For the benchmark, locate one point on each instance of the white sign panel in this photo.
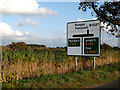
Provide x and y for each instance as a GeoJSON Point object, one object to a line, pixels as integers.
{"type": "Point", "coordinates": [83, 38]}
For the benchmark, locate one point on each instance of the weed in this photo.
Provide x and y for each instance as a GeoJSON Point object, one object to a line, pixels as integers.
{"type": "Point", "coordinates": [42, 74]}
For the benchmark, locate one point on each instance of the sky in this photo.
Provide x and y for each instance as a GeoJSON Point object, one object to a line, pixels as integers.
{"type": "Point", "coordinates": [36, 22]}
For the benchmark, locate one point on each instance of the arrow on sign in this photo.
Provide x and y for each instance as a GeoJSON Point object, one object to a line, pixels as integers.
{"type": "Point", "coordinates": [84, 35]}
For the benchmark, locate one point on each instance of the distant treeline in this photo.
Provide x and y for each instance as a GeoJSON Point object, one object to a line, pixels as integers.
{"type": "Point", "coordinates": [18, 46]}
{"type": "Point", "coordinates": [34, 47]}
{"type": "Point", "coordinates": [108, 47]}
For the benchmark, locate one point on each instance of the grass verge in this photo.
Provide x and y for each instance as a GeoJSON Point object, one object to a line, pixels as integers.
{"type": "Point", "coordinates": [79, 79]}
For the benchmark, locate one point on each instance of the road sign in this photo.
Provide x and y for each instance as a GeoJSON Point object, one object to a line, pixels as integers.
{"type": "Point", "coordinates": [74, 42]}
{"type": "Point", "coordinates": [119, 37]}
{"type": "Point", "coordinates": [91, 45]}
{"type": "Point", "coordinates": [83, 38]}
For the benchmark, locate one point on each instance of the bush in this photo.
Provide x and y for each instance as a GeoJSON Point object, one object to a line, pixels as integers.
{"type": "Point", "coordinates": [116, 48]}
{"type": "Point", "coordinates": [106, 47]}
{"type": "Point", "coordinates": [18, 46]}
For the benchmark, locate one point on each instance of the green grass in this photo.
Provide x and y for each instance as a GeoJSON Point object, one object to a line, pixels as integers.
{"type": "Point", "coordinates": [79, 79]}
{"type": "Point", "coordinates": [54, 56]}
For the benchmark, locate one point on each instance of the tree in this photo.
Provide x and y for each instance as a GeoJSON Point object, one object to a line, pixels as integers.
{"type": "Point", "coordinates": [106, 12]}
{"type": "Point", "coordinates": [18, 46]}
{"type": "Point", "coordinates": [106, 47]}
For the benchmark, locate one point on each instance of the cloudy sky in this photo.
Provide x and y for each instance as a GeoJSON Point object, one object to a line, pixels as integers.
{"type": "Point", "coordinates": [37, 22]}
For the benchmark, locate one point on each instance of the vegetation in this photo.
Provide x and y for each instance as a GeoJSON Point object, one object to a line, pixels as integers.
{"type": "Point", "coordinates": [36, 62]}
{"type": "Point", "coordinates": [22, 46]}
{"type": "Point", "coordinates": [18, 46]}
{"type": "Point", "coordinates": [107, 12]}
{"type": "Point", "coordinates": [36, 45]}
{"type": "Point", "coordinates": [54, 56]}
{"type": "Point", "coordinates": [79, 79]}
{"type": "Point", "coordinates": [106, 47]}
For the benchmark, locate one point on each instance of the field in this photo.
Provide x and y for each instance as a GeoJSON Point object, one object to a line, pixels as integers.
{"type": "Point", "coordinates": [20, 62]}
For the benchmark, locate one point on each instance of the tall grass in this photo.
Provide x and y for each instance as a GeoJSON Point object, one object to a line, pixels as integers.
{"type": "Point", "coordinates": [79, 79]}
{"type": "Point", "coordinates": [27, 64]}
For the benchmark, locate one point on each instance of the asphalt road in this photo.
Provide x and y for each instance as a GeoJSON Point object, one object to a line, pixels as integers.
{"type": "Point", "coordinates": [112, 84]}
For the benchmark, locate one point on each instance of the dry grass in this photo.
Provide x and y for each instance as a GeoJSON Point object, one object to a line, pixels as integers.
{"type": "Point", "coordinates": [21, 69]}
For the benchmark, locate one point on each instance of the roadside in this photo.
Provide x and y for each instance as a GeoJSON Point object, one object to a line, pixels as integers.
{"type": "Point", "coordinates": [109, 84]}
{"type": "Point", "coordinates": [81, 79]}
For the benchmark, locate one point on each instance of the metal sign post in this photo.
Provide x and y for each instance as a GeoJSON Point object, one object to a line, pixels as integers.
{"type": "Point", "coordinates": [75, 63]}
{"type": "Point", "coordinates": [93, 63]}
{"type": "Point", "coordinates": [83, 39]}
{"type": "Point", "coordinates": [119, 36]}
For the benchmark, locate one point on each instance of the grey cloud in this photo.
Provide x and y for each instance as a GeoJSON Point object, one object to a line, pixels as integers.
{"type": "Point", "coordinates": [19, 24]}
{"type": "Point", "coordinates": [28, 22]}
